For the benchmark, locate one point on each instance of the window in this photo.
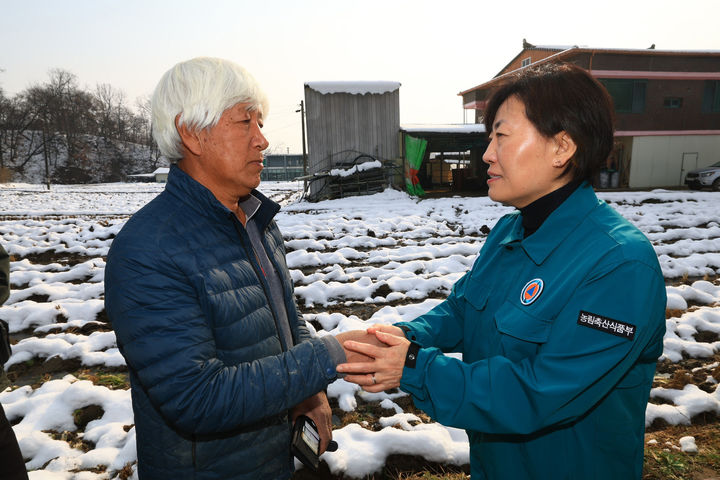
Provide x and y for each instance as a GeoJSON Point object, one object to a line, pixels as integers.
{"type": "Point", "coordinates": [628, 95]}
{"type": "Point", "coordinates": [672, 102]}
{"type": "Point", "coordinates": [526, 62]}
{"type": "Point", "coordinates": [711, 97]}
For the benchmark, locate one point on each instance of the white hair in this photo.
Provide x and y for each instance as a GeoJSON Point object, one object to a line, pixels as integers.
{"type": "Point", "coordinates": [199, 90]}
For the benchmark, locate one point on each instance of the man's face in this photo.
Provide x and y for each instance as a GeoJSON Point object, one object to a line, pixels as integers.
{"type": "Point", "coordinates": [232, 150]}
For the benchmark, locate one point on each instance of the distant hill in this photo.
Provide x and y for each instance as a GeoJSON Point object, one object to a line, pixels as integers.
{"type": "Point", "coordinates": [95, 159]}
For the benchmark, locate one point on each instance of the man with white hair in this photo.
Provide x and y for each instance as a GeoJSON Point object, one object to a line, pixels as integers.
{"type": "Point", "coordinates": [201, 300]}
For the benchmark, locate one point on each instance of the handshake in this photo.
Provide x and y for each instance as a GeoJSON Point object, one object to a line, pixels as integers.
{"type": "Point", "coordinates": [375, 358]}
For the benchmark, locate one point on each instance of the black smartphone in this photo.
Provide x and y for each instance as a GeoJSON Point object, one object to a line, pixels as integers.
{"type": "Point", "coordinates": [306, 442]}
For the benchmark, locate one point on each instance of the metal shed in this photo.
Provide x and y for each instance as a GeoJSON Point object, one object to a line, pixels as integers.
{"type": "Point", "coordinates": [350, 123]}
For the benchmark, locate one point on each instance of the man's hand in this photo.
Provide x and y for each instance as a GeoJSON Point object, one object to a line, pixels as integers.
{"type": "Point", "coordinates": [391, 329]}
{"type": "Point", "coordinates": [360, 336]}
{"type": "Point", "coordinates": [318, 409]}
{"type": "Point", "coordinates": [385, 368]}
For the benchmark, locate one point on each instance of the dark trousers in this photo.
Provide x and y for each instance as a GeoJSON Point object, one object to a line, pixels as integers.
{"type": "Point", "coordinates": [12, 465]}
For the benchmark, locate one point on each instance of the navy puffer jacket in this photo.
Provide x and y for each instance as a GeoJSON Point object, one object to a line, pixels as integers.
{"type": "Point", "coordinates": [211, 384]}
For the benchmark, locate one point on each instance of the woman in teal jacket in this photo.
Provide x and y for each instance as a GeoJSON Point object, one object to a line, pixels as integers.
{"type": "Point", "coordinates": [561, 318]}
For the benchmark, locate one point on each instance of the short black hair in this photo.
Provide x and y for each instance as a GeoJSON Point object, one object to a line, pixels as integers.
{"type": "Point", "coordinates": [563, 97]}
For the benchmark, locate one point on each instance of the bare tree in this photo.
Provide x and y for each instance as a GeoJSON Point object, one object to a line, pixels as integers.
{"type": "Point", "coordinates": [4, 107]}
{"type": "Point", "coordinates": [108, 100]}
{"type": "Point", "coordinates": [144, 109]}
{"type": "Point", "coordinates": [69, 109]}
{"type": "Point", "coordinates": [58, 115]}
{"type": "Point", "coordinates": [39, 101]}
{"type": "Point", "coordinates": [65, 109]}
{"type": "Point", "coordinates": [20, 137]}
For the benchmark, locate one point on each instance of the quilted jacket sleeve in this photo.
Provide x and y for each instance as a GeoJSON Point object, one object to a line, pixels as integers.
{"type": "Point", "coordinates": [167, 341]}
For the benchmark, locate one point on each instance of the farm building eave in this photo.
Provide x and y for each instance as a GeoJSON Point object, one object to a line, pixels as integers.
{"type": "Point", "coordinates": [354, 87]}
{"type": "Point", "coordinates": [574, 50]}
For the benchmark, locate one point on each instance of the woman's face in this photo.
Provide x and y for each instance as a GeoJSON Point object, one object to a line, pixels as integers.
{"type": "Point", "coordinates": [523, 165]}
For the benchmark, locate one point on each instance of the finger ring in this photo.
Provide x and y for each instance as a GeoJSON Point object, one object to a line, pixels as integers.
{"type": "Point", "coordinates": [374, 380]}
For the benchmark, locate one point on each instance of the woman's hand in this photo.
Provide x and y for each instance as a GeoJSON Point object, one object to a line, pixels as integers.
{"type": "Point", "coordinates": [387, 363]}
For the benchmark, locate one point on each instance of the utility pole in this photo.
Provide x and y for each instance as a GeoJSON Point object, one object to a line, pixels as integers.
{"type": "Point", "coordinates": [302, 123]}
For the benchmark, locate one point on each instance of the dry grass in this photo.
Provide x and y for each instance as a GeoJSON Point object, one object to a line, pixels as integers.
{"type": "Point", "coordinates": [665, 461]}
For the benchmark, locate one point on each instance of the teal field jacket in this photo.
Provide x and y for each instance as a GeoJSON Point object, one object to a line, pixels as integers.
{"type": "Point", "coordinates": [560, 333]}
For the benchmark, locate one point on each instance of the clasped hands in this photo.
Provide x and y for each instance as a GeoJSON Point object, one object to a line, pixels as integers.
{"type": "Point", "coordinates": [375, 358]}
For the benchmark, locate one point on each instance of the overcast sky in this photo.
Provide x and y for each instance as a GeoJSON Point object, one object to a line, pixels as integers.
{"type": "Point", "coordinates": [434, 48]}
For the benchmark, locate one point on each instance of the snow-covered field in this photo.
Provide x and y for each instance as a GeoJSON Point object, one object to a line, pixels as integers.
{"type": "Point", "coordinates": [355, 262]}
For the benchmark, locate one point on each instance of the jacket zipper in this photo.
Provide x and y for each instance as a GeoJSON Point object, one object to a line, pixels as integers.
{"type": "Point", "coordinates": [286, 295]}
{"type": "Point", "coordinates": [267, 296]}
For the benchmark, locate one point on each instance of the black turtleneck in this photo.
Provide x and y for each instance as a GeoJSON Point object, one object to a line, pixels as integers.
{"type": "Point", "coordinates": [534, 215]}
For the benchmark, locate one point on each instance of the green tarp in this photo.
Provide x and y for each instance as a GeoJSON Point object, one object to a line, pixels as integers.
{"type": "Point", "coordinates": [414, 153]}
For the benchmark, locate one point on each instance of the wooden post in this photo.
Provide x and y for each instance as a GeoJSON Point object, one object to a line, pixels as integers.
{"type": "Point", "coordinates": [304, 152]}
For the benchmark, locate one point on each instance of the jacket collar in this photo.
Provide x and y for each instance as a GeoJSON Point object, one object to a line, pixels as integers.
{"type": "Point", "coordinates": [201, 201]}
{"type": "Point", "coordinates": [556, 227]}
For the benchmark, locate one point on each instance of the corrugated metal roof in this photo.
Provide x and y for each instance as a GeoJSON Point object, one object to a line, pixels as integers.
{"type": "Point", "coordinates": [354, 88]}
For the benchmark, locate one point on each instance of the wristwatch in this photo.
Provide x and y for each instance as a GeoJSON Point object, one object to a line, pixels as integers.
{"type": "Point", "coordinates": [413, 349]}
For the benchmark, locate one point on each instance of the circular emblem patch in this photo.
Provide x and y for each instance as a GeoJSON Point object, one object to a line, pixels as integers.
{"type": "Point", "coordinates": [531, 291]}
